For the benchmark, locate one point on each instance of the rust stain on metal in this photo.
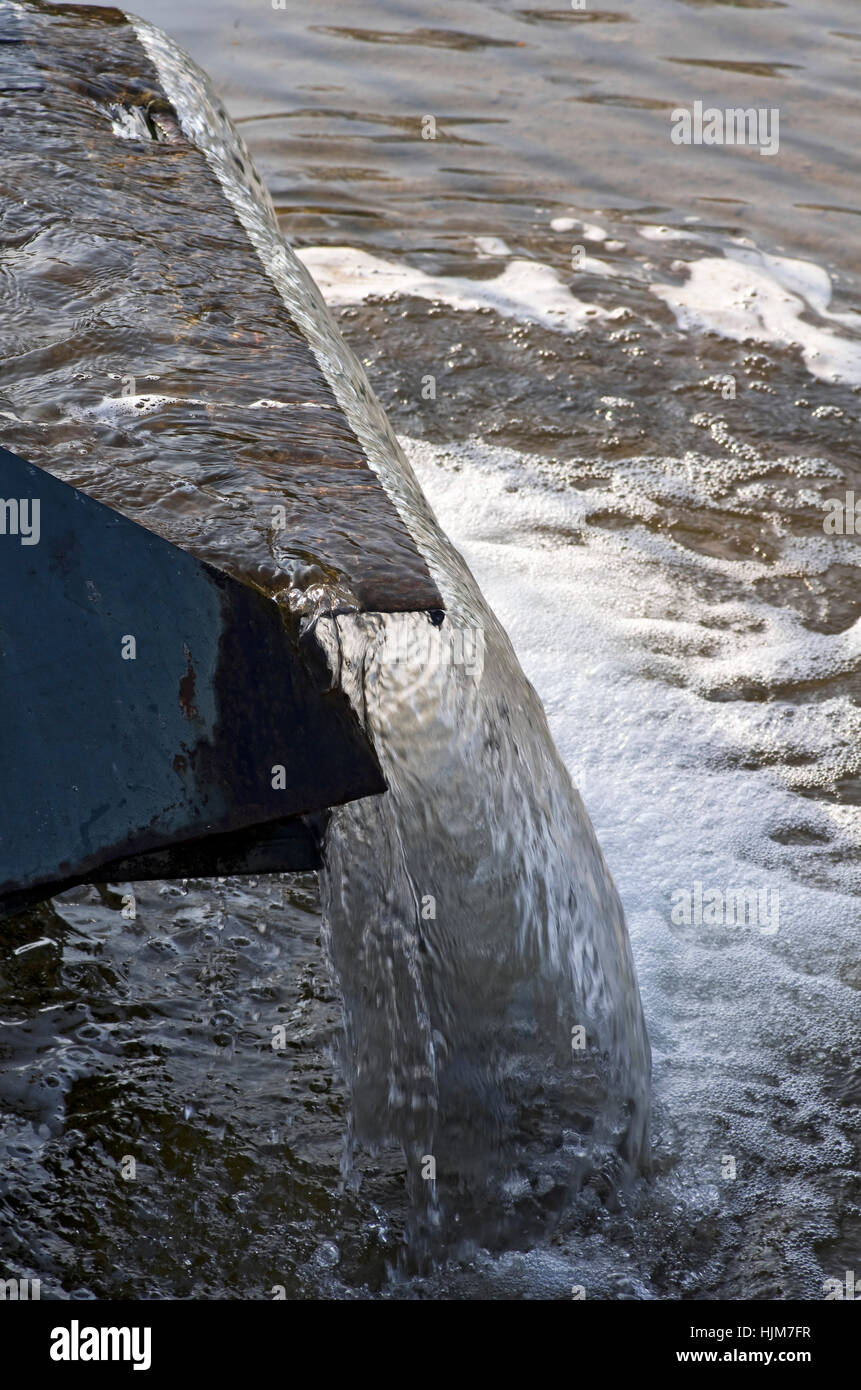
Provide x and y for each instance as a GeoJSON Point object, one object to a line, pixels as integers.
{"type": "Point", "coordinates": [186, 689]}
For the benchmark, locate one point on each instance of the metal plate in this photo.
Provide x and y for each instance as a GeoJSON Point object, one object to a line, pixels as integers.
{"type": "Point", "coordinates": [147, 698]}
{"type": "Point", "coordinates": [147, 357]}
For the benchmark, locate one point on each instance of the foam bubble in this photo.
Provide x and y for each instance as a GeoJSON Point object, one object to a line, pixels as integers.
{"type": "Point", "coordinates": [749, 294]}
{"type": "Point", "coordinates": [525, 290]}
{"type": "Point", "coordinates": [622, 632]}
{"type": "Point", "coordinates": [667, 234]}
{"type": "Point", "coordinates": [590, 230]}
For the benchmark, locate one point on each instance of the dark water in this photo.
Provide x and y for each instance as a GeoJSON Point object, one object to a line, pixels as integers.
{"type": "Point", "coordinates": [541, 108]}
{"type": "Point", "coordinates": [651, 537]}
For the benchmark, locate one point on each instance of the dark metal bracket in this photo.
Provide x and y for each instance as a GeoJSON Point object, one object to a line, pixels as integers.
{"type": "Point", "coordinates": [157, 717]}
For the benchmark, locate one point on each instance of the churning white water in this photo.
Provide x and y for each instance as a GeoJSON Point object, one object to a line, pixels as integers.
{"type": "Point", "coordinates": [634, 643]}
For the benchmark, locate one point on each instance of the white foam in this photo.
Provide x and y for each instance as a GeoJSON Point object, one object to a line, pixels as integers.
{"type": "Point", "coordinates": [621, 648]}
{"type": "Point", "coordinates": [590, 230]}
{"type": "Point", "coordinates": [667, 234]}
{"type": "Point", "coordinates": [130, 403]}
{"type": "Point", "coordinates": [745, 294]}
{"type": "Point", "coordinates": [748, 294]}
{"type": "Point", "coordinates": [128, 122]}
{"type": "Point", "coordinates": [144, 403]}
{"type": "Point", "coordinates": [491, 247]}
{"type": "Point", "coordinates": [609, 628]}
{"type": "Point", "coordinates": [525, 290]}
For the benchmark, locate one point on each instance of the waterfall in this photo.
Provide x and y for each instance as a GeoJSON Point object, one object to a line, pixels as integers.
{"type": "Point", "coordinates": [493, 1027]}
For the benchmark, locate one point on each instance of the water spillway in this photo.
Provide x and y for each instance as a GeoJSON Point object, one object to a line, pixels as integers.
{"type": "Point", "coordinates": [133, 768]}
{"type": "Point", "coordinates": [169, 357]}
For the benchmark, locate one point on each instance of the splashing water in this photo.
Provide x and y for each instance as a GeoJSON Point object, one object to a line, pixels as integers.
{"type": "Point", "coordinates": [493, 1021]}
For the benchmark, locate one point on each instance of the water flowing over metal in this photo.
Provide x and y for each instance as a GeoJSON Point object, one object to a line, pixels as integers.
{"type": "Point", "coordinates": [493, 1027]}
{"type": "Point", "coordinates": [493, 1016]}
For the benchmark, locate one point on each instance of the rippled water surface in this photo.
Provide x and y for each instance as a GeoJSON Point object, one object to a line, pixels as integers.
{"type": "Point", "coordinates": [633, 451]}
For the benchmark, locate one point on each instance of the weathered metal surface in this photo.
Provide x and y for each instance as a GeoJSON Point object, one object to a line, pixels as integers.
{"type": "Point", "coordinates": [285, 846]}
{"type": "Point", "coordinates": [148, 699]}
{"type": "Point", "coordinates": [149, 361]}
{"type": "Point", "coordinates": [147, 357]}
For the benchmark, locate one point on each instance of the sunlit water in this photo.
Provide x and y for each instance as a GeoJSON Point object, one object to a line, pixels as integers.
{"type": "Point", "coordinates": [634, 460]}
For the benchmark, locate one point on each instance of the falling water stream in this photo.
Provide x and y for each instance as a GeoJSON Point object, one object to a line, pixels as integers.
{"type": "Point", "coordinates": [493, 1022]}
